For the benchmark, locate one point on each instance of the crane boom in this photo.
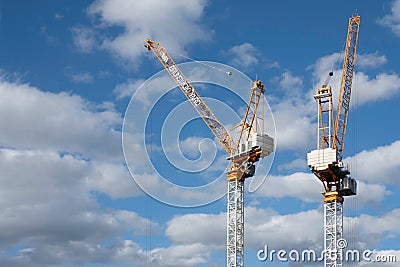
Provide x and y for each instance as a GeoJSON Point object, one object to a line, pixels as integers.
{"type": "Point", "coordinates": [194, 98]}
{"type": "Point", "coordinates": [345, 86]}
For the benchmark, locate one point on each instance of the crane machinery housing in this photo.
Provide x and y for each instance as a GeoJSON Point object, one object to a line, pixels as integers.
{"type": "Point", "coordinates": [252, 145]}
{"type": "Point", "coordinates": [326, 161]}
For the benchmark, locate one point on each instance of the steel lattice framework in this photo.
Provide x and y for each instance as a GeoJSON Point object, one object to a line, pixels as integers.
{"type": "Point", "coordinates": [326, 161]}
{"type": "Point", "coordinates": [235, 224]}
{"type": "Point", "coordinates": [333, 221]}
{"type": "Point", "coordinates": [345, 85]}
{"type": "Point", "coordinates": [250, 147]}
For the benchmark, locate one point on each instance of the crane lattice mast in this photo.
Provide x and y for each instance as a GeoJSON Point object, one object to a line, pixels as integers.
{"type": "Point", "coordinates": [251, 146]}
{"type": "Point", "coordinates": [326, 161]}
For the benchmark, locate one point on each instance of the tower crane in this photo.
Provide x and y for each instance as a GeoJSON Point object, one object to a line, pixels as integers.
{"type": "Point", "coordinates": [251, 146]}
{"type": "Point", "coordinates": [326, 161]}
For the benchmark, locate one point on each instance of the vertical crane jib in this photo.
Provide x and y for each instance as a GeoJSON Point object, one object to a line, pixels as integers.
{"type": "Point", "coordinates": [194, 98]}
{"type": "Point", "coordinates": [345, 86]}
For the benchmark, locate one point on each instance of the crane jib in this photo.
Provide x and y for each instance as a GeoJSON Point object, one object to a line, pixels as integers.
{"type": "Point", "coordinates": [179, 78]}
{"type": "Point", "coordinates": [188, 90]}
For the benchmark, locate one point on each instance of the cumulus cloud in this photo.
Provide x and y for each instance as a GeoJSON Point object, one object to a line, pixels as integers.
{"type": "Point", "coordinates": [281, 231]}
{"type": "Point", "coordinates": [371, 230]}
{"type": "Point", "coordinates": [262, 226]}
{"type": "Point", "coordinates": [392, 20]}
{"type": "Point", "coordinates": [295, 126]}
{"type": "Point", "coordinates": [84, 39]}
{"type": "Point", "coordinates": [304, 186]}
{"type": "Point", "coordinates": [82, 77]}
{"type": "Point", "coordinates": [371, 60]}
{"type": "Point", "coordinates": [59, 121]}
{"type": "Point", "coordinates": [290, 82]}
{"type": "Point", "coordinates": [379, 165]}
{"type": "Point", "coordinates": [381, 87]}
{"type": "Point", "coordinates": [294, 111]}
{"type": "Point", "coordinates": [47, 207]}
{"type": "Point", "coordinates": [307, 187]}
{"type": "Point", "coordinates": [176, 24]}
{"type": "Point", "coordinates": [112, 179]}
{"type": "Point", "coordinates": [297, 164]}
{"type": "Point", "coordinates": [366, 89]}
{"type": "Point", "coordinates": [181, 229]}
{"type": "Point", "coordinates": [127, 88]}
{"type": "Point", "coordinates": [246, 56]}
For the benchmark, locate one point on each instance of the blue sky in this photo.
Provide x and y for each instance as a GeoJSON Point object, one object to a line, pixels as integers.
{"type": "Point", "coordinates": [68, 71]}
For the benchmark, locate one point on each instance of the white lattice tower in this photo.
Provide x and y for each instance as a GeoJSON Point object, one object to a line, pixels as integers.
{"type": "Point", "coordinates": [333, 229]}
{"type": "Point", "coordinates": [235, 224]}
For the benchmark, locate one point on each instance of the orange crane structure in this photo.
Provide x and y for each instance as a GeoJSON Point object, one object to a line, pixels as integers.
{"type": "Point", "coordinates": [251, 145]}
{"type": "Point", "coordinates": [326, 161]}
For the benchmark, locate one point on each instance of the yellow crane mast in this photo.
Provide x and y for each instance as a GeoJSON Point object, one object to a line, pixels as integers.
{"type": "Point", "coordinates": [326, 161]}
{"type": "Point", "coordinates": [252, 145]}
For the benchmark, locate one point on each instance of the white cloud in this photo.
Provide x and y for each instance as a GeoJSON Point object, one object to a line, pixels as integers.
{"type": "Point", "coordinates": [392, 20]}
{"type": "Point", "coordinates": [290, 82]}
{"type": "Point", "coordinates": [304, 186]}
{"type": "Point", "coordinates": [113, 180]}
{"type": "Point", "coordinates": [295, 128]}
{"type": "Point", "coordinates": [281, 231]}
{"type": "Point", "coordinates": [261, 227]}
{"type": "Point", "coordinates": [47, 205]}
{"type": "Point", "coordinates": [307, 187]}
{"type": "Point", "coordinates": [294, 114]}
{"type": "Point", "coordinates": [324, 65]}
{"type": "Point", "coordinates": [371, 60]}
{"type": "Point", "coordinates": [181, 255]}
{"type": "Point", "coordinates": [379, 165]}
{"type": "Point", "coordinates": [58, 16]}
{"type": "Point", "coordinates": [244, 56]}
{"type": "Point", "coordinates": [297, 164]}
{"type": "Point", "coordinates": [84, 39]}
{"type": "Point", "coordinates": [127, 88]}
{"type": "Point", "coordinates": [58, 121]}
{"type": "Point", "coordinates": [366, 89]}
{"type": "Point", "coordinates": [382, 87]}
{"type": "Point", "coordinates": [176, 24]}
{"type": "Point", "coordinates": [50, 217]}
{"type": "Point", "coordinates": [181, 229]}
{"type": "Point", "coordinates": [371, 230]}
{"type": "Point", "coordinates": [82, 77]}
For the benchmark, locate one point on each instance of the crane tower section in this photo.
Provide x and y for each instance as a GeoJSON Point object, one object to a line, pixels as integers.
{"type": "Point", "coordinates": [252, 145]}
{"type": "Point", "coordinates": [326, 161]}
